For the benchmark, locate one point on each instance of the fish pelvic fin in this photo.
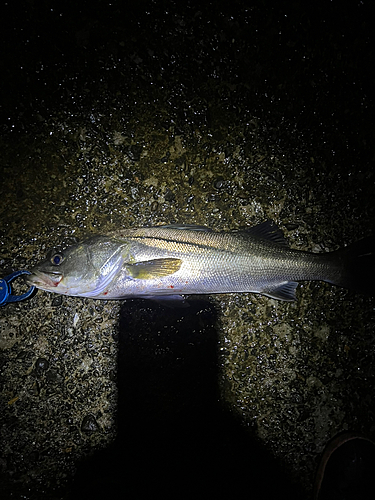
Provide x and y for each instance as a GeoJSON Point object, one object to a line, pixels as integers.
{"type": "Point", "coordinates": [356, 264]}
{"type": "Point", "coordinates": [157, 268]}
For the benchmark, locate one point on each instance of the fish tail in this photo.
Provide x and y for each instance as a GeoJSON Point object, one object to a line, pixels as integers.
{"type": "Point", "coordinates": [356, 266]}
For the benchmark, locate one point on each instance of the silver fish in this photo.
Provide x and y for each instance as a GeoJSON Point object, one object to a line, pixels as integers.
{"type": "Point", "coordinates": [179, 260]}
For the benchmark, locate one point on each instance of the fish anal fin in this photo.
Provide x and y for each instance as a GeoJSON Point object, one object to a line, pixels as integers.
{"type": "Point", "coordinates": [157, 268]}
{"type": "Point", "coordinates": [282, 291]}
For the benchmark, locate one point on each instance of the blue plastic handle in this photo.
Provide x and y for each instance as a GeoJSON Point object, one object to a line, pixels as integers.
{"type": "Point", "coordinates": [6, 290]}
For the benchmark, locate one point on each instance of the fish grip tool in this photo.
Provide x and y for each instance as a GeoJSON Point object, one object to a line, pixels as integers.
{"type": "Point", "coordinates": [6, 295]}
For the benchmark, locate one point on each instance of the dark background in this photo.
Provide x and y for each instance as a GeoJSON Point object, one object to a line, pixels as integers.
{"type": "Point", "coordinates": [304, 70]}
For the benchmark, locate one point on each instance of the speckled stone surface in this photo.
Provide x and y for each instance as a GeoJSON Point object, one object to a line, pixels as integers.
{"type": "Point", "coordinates": [221, 115]}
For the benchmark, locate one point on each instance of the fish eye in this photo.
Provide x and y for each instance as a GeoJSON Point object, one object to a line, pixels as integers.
{"type": "Point", "coordinates": [57, 259]}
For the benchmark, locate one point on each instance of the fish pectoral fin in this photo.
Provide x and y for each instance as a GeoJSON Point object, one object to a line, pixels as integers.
{"type": "Point", "coordinates": [282, 291]}
{"type": "Point", "coordinates": [157, 268]}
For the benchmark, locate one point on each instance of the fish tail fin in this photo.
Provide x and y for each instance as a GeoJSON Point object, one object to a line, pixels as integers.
{"type": "Point", "coordinates": [357, 266]}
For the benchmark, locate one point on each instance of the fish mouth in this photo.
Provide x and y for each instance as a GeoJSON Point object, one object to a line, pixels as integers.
{"type": "Point", "coordinates": [43, 280]}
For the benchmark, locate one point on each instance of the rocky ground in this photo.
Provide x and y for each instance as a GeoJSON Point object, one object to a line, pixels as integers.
{"type": "Point", "coordinates": [218, 114]}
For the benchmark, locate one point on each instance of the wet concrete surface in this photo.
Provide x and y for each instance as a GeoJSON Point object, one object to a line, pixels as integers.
{"type": "Point", "coordinates": [221, 115]}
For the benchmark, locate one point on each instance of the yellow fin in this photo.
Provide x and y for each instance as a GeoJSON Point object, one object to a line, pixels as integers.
{"type": "Point", "coordinates": [157, 268]}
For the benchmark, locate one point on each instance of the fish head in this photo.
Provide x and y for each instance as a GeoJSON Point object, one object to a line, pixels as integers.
{"type": "Point", "coordinates": [84, 270]}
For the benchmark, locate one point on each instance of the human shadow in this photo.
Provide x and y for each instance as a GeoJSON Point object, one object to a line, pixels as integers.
{"type": "Point", "coordinates": [174, 437]}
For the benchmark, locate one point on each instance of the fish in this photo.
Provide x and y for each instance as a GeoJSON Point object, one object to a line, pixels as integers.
{"type": "Point", "coordinates": [181, 260]}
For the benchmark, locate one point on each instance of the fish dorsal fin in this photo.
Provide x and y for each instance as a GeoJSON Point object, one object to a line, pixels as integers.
{"type": "Point", "coordinates": [192, 227]}
{"type": "Point", "coordinates": [157, 268]}
{"type": "Point", "coordinates": [268, 231]}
